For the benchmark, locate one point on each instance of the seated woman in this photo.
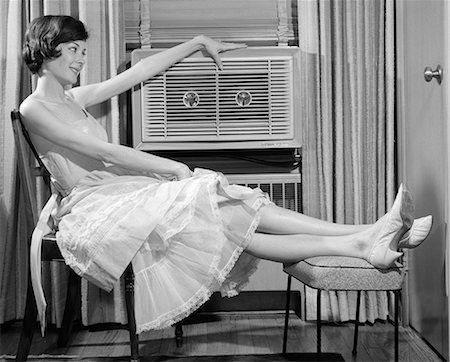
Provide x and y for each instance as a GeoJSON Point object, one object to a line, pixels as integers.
{"type": "Point", "coordinates": [187, 233]}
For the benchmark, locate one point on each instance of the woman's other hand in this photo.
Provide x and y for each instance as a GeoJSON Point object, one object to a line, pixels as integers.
{"type": "Point", "coordinates": [213, 48]}
{"type": "Point", "coordinates": [183, 172]}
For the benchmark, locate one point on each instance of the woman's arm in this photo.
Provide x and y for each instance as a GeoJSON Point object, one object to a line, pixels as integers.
{"type": "Point", "coordinates": [41, 122]}
{"type": "Point", "coordinates": [148, 68]}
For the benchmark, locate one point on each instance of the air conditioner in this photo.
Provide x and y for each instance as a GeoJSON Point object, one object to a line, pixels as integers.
{"type": "Point", "coordinates": [252, 103]}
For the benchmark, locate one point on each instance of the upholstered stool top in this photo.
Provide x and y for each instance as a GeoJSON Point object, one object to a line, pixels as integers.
{"type": "Point", "coordinates": [345, 273]}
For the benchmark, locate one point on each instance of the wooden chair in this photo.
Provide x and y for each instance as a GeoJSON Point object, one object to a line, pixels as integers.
{"type": "Point", "coordinates": [50, 251]}
{"type": "Point", "coordinates": [347, 274]}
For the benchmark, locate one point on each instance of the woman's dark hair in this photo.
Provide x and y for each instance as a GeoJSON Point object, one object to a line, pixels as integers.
{"type": "Point", "coordinates": [45, 33]}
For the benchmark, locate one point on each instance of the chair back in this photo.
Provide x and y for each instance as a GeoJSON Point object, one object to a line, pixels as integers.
{"type": "Point", "coordinates": [26, 165]}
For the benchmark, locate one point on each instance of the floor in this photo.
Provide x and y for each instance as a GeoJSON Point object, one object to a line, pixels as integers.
{"type": "Point", "coordinates": [227, 334]}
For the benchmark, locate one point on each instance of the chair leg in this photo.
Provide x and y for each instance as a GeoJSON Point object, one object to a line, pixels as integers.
{"type": "Point", "coordinates": [286, 313]}
{"type": "Point", "coordinates": [29, 325]}
{"type": "Point", "coordinates": [355, 336]}
{"type": "Point", "coordinates": [319, 323]}
{"type": "Point", "coordinates": [179, 334]}
{"type": "Point", "coordinates": [396, 298]}
{"type": "Point", "coordinates": [73, 295]}
{"type": "Point", "coordinates": [129, 301]}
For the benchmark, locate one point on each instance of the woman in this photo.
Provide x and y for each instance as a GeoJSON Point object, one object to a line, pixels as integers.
{"type": "Point", "coordinates": [187, 233]}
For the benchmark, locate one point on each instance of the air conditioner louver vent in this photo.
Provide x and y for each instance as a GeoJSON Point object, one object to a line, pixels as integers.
{"type": "Point", "coordinates": [250, 99]}
{"type": "Point", "coordinates": [283, 189]}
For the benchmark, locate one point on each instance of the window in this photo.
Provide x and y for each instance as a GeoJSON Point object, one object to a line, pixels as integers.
{"type": "Point", "coordinates": [163, 23]}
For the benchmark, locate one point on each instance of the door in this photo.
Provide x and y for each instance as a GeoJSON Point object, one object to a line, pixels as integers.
{"type": "Point", "coordinates": [423, 158]}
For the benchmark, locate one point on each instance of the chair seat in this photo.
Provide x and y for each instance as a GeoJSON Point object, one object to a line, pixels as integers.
{"type": "Point", "coordinates": [345, 273]}
{"type": "Point", "coordinates": [50, 237]}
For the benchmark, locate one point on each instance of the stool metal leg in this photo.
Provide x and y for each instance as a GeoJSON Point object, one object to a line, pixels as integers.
{"type": "Point", "coordinates": [396, 295]}
{"type": "Point", "coordinates": [319, 325]}
{"type": "Point", "coordinates": [286, 313]}
{"type": "Point", "coordinates": [355, 337]}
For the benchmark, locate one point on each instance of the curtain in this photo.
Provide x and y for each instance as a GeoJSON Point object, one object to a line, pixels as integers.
{"type": "Point", "coordinates": [14, 227]}
{"type": "Point", "coordinates": [347, 49]}
{"type": "Point", "coordinates": [106, 54]}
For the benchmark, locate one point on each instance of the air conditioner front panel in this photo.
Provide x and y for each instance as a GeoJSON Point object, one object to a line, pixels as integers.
{"type": "Point", "coordinates": [250, 99]}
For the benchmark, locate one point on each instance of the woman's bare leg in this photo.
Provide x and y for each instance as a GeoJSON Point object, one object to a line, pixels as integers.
{"type": "Point", "coordinates": [294, 248]}
{"type": "Point", "coordinates": [377, 243]}
{"type": "Point", "coordinates": [277, 220]}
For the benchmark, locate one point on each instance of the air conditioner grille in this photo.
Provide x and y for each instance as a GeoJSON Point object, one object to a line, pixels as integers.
{"type": "Point", "coordinates": [216, 112]}
{"type": "Point", "coordinates": [283, 189]}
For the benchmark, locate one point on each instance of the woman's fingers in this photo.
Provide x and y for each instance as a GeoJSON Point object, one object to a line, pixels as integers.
{"type": "Point", "coordinates": [215, 56]}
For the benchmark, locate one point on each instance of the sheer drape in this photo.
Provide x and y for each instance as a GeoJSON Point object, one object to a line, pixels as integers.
{"type": "Point", "coordinates": [348, 93]}
{"type": "Point", "coordinates": [106, 53]}
{"type": "Point", "coordinates": [14, 228]}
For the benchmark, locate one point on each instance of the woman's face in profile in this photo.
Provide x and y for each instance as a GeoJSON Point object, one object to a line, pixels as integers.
{"type": "Point", "coordinates": [67, 67]}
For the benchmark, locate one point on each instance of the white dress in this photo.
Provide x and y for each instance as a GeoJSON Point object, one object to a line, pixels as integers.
{"type": "Point", "coordinates": [185, 239]}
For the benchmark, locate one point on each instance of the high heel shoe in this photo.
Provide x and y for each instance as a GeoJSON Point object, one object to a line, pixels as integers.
{"type": "Point", "coordinates": [396, 223]}
{"type": "Point", "coordinates": [419, 231]}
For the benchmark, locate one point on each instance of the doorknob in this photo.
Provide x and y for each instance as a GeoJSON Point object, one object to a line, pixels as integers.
{"type": "Point", "coordinates": [429, 74]}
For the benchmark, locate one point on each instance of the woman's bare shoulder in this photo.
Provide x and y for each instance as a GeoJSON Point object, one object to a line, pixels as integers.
{"type": "Point", "coordinates": [32, 112]}
{"type": "Point", "coordinates": [32, 108]}
{"type": "Point", "coordinates": [31, 103]}
{"type": "Point", "coordinates": [37, 115]}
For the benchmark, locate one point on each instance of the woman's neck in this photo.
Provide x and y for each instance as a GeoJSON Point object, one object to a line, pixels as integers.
{"type": "Point", "coordinates": [50, 89]}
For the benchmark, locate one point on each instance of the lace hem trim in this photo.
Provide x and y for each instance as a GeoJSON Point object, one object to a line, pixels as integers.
{"type": "Point", "coordinates": [215, 281]}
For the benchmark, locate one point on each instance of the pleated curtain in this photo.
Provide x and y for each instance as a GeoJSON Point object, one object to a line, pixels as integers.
{"type": "Point", "coordinates": [105, 57]}
{"type": "Point", "coordinates": [14, 224]}
{"type": "Point", "coordinates": [348, 89]}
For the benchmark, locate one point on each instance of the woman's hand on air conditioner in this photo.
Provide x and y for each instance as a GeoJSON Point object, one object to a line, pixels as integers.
{"type": "Point", "coordinates": [214, 47]}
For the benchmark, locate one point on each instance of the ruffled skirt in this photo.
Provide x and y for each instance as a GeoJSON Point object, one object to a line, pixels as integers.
{"type": "Point", "coordinates": [185, 239]}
